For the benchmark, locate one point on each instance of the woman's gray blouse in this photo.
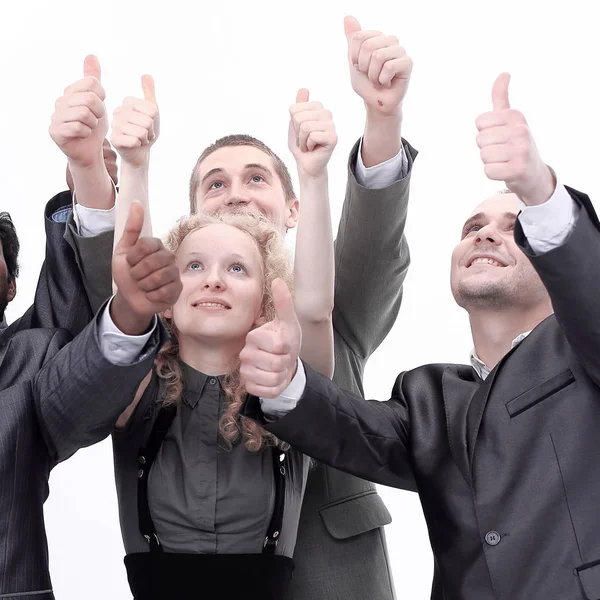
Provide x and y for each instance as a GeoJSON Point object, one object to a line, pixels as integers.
{"type": "Point", "coordinates": [203, 498]}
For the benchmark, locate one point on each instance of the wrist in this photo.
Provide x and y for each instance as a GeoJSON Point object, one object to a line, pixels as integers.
{"type": "Point", "coordinates": [542, 190]}
{"type": "Point", "coordinates": [138, 164]}
{"type": "Point", "coordinates": [126, 319]}
{"type": "Point", "coordinates": [382, 138]}
{"type": "Point", "coordinates": [392, 118]}
{"type": "Point", "coordinates": [309, 178]}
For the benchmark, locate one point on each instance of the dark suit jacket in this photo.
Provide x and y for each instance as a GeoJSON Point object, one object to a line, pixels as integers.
{"type": "Point", "coordinates": [507, 470]}
{"type": "Point", "coordinates": [51, 399]}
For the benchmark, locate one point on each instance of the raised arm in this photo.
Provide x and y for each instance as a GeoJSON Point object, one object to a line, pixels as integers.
{"type": "Point", "coordinates": [304, 408]}
{"type": "Point", "coordinates": [557, 228]}
{"type": "Point", "coordinates": [82, 390]}
{"type": "Point", "coordinates": [312, 139]}
{"type": "Point", "coordinates": [135, 128]}
{"type": "Point", "coordinates": [371, 253]}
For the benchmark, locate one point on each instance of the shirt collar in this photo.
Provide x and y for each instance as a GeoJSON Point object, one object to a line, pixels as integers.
{"type": "Point", "coordinates": [481, 368]}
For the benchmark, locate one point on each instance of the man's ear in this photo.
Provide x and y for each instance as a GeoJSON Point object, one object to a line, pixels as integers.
{"type": "Point", "coordinates": [292, 219]}
{"type": "Point", "coordinates": [168, 314]}
{"type": "Point", "coordinates": [12, 290]}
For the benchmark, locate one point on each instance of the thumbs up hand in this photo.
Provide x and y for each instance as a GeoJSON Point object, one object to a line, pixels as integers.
{"type": "Point", "coordinates": [508, 150]}
{"type": "Point", "coordinates": [311, 137]}
{"type": "Point", "coordinates": [379, 68]}
{"type": "Point", "coordinates": [79, 123]}
{"type": "Point", "coordinates": [270, 356]}
{"type": "Point", "coordinates": [136, 126]}
{"type": "Point", "coordinates": [145, 274]}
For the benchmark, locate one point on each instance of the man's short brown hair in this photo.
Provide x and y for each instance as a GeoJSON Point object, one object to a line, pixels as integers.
{"type": "Point", "coordinates": [242, 140]}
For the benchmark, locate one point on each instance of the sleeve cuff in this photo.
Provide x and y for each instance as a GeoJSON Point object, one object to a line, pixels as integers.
{"type": "Point", "coordinates": [117, 347]}
{"type": "Point", "coordinates": [547, 226]}
{"type": "Point", "coordinates": [91, 222]}
{"type": "Point", "coordinates": [275, 408]}
{"type": "Point", "coordinates": [384, 174]}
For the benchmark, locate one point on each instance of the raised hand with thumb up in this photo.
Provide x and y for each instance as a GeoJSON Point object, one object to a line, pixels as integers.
{"type": "Point", "coordinates": [136, 125]}
{"type": "Point", "coordinates": [270, 356]}
{"type": "Point", "coordinates": [508, 150]}
{"type": "Point", "coordinates": [311, 137]}
{"type": "Point", "coordinates": [79, 123]}
{"type": "Point", "coordinates": [145, 274]}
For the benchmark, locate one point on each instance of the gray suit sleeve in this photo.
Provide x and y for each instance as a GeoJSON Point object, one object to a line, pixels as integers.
{"type": "Point", "coordinates": [366, 438]}
{"type": "Point", "coordinates": [570, 274]}
{"type": "Point", "coordinates": [79, 394]}
{"type": "Point", "coordinates": [371, 260]}
{"type": "Point", "coordinates": [93, 256]}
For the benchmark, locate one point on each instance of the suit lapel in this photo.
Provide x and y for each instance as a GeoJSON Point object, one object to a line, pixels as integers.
{"type": "Point", "coordinates": [458, 384]}
{"type": "Point", "coordinates": [478, 404]}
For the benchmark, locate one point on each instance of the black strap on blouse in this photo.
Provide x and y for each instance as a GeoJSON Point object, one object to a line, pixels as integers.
{"type": "Point", "coordinates": [146, 457]}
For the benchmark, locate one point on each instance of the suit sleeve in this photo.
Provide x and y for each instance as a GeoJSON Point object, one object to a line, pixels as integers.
{"type": "Point", "coordinates": [371, 260]}
{"type": "Point", "coordinates": [79, 394]}
{"type": "Point", "coordinates": [369, 439]}
{"type": "Point", "coordinates": [570, 274]}
{"type": "Point", "coordinates": [75, 277]}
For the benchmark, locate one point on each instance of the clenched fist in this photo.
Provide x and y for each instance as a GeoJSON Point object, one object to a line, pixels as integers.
{"type": "Point", "coordinates": [508, 150]}
{"type": "Point", "coordinates": [270, 356]}
{"type": "Point", "coordinates": [145, 274]}
{"type": "Point", "coordinates": [379, 68]}
{"type": "Point", "coordinates": [136, 125]}
{"type": "Point", "coordinates": [312, 137]}
{"type": "Point", "coordinates": [79, 123]}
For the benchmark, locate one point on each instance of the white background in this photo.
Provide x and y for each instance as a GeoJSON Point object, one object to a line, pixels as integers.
{"type": "Point", "coordinates": [234, 67]}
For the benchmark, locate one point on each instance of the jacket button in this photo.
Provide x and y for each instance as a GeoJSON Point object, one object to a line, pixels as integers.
{"type": "Point", "coordinates": [492, 538]}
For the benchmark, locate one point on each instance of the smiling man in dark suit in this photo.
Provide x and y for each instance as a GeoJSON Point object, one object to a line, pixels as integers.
{"type": "Point", "coordinates": [503, 451]}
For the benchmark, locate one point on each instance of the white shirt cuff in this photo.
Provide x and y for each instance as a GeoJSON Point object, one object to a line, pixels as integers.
{"type": "Point", "coordinates": [91, 222]}
{"type": "Point", "coordinates": [117, 347]}
{"type": "Point", "coordinates": [547, 226]}
{"type": "Point", "coordinates": [384, 174]}
{"type": "Point", "coordinates": [288, 399]}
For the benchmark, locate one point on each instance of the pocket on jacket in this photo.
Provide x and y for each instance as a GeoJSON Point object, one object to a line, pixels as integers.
{"type": "Point", "coordinates": [589, 577]}
{"type": "Point", "coordinates": [355, 515]}
{"type": "Point", "coordinates": [539, 393]}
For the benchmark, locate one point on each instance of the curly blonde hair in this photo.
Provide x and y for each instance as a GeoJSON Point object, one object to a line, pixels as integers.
{"type": "Point", "coordinates": [276, 263]}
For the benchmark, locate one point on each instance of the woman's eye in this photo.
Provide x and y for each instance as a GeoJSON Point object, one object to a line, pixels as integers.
{"type": "Point", "coordinates": [195, 266]}
{"type": "Point", "coordinates": [237, 269]}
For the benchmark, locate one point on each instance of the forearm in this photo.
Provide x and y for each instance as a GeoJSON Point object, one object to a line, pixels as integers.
{"type": "Point", "coordinates": [371, 259]}
{"type": "Point", "coordinates": [382, 138]}
{"type": "Point", "coordinates": [81, 392]}
{"type": "Point", "coordinates": [93, 186]}
{"type": "Point", "coordinates": [570, 274]}
{"type": "Point", "coordinates": [314, 260]}
{"type": "Point", "coordinates": [366, 438]}
{"type": "Point", "coordinates": [133, 187]}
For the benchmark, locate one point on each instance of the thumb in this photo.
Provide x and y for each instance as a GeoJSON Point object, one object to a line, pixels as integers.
{"type": "Point", "coordinates": [500, 92]}
{"type": "Point", "coordinates": [91, 67]}
{"type": "Point", "coordinates": [283, 303]}
{"type": "Point", "coordinates": [351, 26]}
{"type": "Point", "coordinates": [148, 88]}
{"type": "Point", "coordinates": [302, 96]}
{"type": "Point", "coordinates": [133, 228]}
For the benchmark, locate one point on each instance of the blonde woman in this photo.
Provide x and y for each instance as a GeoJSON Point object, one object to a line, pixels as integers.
{"type": "Point", "coordinates": [208, 500]}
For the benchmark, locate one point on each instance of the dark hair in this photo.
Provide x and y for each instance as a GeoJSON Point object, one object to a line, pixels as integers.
{"type": "Point", "coordinates": [242, 140]}
{"type": "Point", "coordinates": [10, 245]}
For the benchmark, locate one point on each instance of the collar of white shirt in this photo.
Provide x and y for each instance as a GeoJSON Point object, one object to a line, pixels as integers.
{"type": "Point", "coordinates": [481, 368]}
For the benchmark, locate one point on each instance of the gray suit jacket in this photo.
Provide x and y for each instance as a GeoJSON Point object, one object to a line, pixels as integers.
{"type": "Point", "coordinates": [341, 552]}
{"type": "Point", "coordinates": [55, 397]}
{"type": "Point", "coordinates": [507, 469]}
{"type": "Point", "coordinates": [49, 397]}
